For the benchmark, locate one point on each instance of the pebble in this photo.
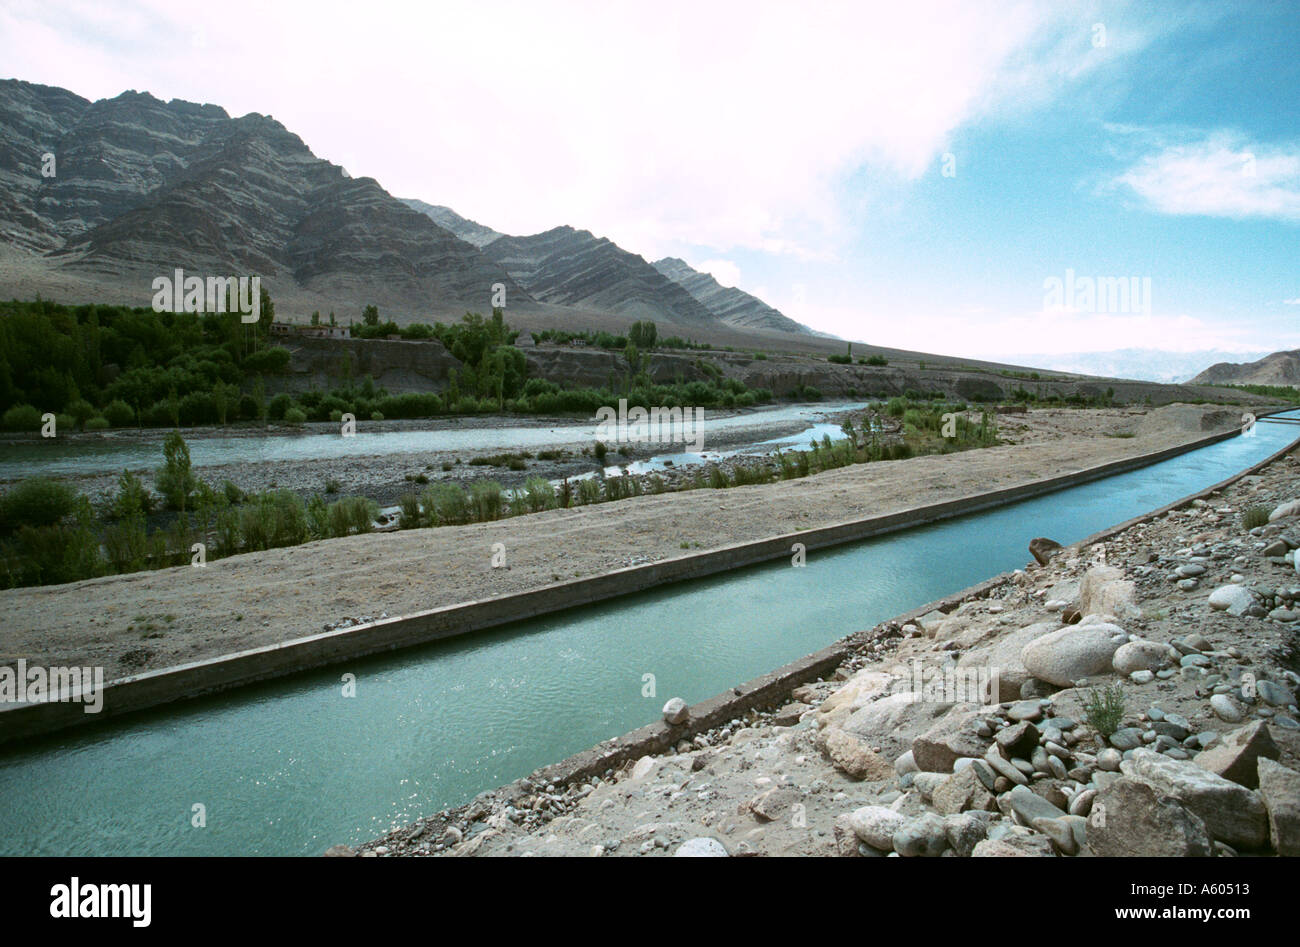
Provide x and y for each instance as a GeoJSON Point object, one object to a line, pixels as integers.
{"type": "Point", "coordinates": [1226, 708]}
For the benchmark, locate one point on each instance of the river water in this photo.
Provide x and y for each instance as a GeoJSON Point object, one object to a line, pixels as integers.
{"type": "Point", "coordinates": [112, 453]}
{"type": "Point", "coordinates": [292, 766]}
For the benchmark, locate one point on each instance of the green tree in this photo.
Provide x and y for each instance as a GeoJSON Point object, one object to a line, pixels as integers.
{"type": "Point", "coordinates": [175, 479]}
{"type": "Point", "coordinates": [370, 315]}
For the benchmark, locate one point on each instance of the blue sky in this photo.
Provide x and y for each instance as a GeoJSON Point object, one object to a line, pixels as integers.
{"type": "Point", "coordinates": [796, 150]}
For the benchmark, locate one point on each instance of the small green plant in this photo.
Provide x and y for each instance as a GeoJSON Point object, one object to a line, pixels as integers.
{"type": "Point", "coordinates": [1254, 517]}
{"type": "Point", "coordinates": [1104, 708]}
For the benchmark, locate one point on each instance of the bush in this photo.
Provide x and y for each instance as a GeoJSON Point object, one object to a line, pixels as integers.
{"type": "Point", "coordinates": [37, 501]}
{"type": "Point", "coordinates": [1105, 708]}
{"type": "Point", "coordinates": [486, 497]}
{"type": "Point", "coordinates": [1254, 517]}
{"type": "Point", "coordinates": [539, 494]}
{"type": "Point", "coordinates": [446, 504]}
{"type": "Point", "coordinates": [408, 515]}
{"type": "Point", "coordinates": [352, 515]}
{"type": "Point", "coordinates": [22, 417]}
{"type": "Point", "coordinates": [272, 519]}
{"type": "Point", "coordinates": [589, 490]}
{"type": "Point", "coordinates": [295, 416]}
{"type": "Point", "coordinates": [127, 544]}
{"type": "Point", "coordinates": [97, 424]}
{"type": "Point", "coordinates": [119, 413]}
{"type": "Point", "coordinates": [132, 497]}
{"type": "Point", "coordinates": [279, 406]}
{"type": "Point", "coordinates": [174, 479]}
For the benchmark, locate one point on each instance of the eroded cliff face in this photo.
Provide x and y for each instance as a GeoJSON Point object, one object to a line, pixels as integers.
{"type": "Point", "coordinates": [397, 366]}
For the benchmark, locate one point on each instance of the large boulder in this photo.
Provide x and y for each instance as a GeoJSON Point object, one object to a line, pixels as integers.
{"type": "Point", "coordinates": [1043, 549]}
{"type": "Point", "coordinates": [1073, 653]}
{"type": "Point", "coordinates": [858, 691]}
{"type": "Point", "coordinates": [962, 792]}
{"type": "Point", "coordinates": [1283, 510]}
{"type": "Point", "coordinates": [1236, 600]}
{"type": "Point", "coordinates": [1141, 656]}
{"type": "Point", "coordinates": [1235, 757]}
{"type": "Point", "coordinates": [1280, 789]}
{"type": "Point", "coordinates": [1231, 812]}
{"type": "Point", "coordinates": [1131, 818]}
{"type": "Point", "coordinates": [854, 757]}
{"type": "Point", "coordinates": [950, 738]}
{"type": "Point", "coordinates": [893, 722]}
{"type": "Point", "coordinates": [1105, 591]}
{"type": "Point", "coordinates": [876, 825]}
{"type": "Point", "coordinates": [1004, 658]}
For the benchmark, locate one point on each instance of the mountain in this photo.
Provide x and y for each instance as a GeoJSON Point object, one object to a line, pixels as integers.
{"type": "Point", "coordinates": [143, 186]}
{"type": "Point", "coordinates": [733, 306]}
{"type": "Point", "coordinates": [1280, 368]}
{"type": "Point", "coordinates": [448, 219]}
{"type": "Point", "coordinates": [1141, 364]}
{"type": "Point", "coordinates": [574, 268]}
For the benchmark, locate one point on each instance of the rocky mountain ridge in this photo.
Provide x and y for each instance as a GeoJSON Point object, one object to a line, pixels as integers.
{"type": "Point", "coordinates": [1279, 368]}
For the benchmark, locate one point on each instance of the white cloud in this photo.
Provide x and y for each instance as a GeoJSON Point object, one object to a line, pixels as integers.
{"type": "Point", "coordinates": [1221, 175]}
{"type": "Point", "coordinates": [988, 335]}
{"type": "Point", "coordinates": [724, 271]}
{"type": "Point", "coordinates": [721, 125]}
{"type": "Point", "coordinates": [1291, 302]}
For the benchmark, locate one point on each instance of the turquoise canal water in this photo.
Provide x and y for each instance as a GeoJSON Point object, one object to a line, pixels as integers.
{"type": "Point", "coordinates": [292, 766]}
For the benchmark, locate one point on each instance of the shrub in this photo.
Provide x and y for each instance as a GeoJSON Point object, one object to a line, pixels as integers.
{"type": "Point", "coordinates": [272, 519]}
{"type": "Point", "coordinates": [589, 490]}
{"type": "Point", "coordinates": [22, 417]}
{"type": "Point", "coordinates": [174, 479]}
{"type": "Point", "coordinates": [445, 504]}
{"type": "Point", "coordinates": [36, 502]}
{"type": "Point", "coordinates": [126, 544]}
{"type": "Point", "coordinates": [486, 497]}
{"type": "Point", "coordinates": [132, 497]}
{"type": "Point", "coordinates": [1105, 708]}
{"type": "Point", "coordinates": [295, 416]}
{"type": "Point", "coordinates": [376, 415]}
{"type": "Point", "coordinates": [97, 424]}
{"type": "Point", "coordinates": [352, 515]}
{"type": "Point", "coordinates": [539, 494]}
{"type": "Point", "coordinates": [279, 405]}
{"type": "Point", "coordinates": [1254, 517]}
{"type": "Point", "coordinates": [408, 515]}
{"type": "Point", "coordinates": [600, 450]}
{"type": "Point", "coordinates": [119, 413]}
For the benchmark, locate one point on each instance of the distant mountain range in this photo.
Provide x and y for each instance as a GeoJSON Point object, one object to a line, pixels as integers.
{"type": "Point", "coordinates": [1140, 364]}
{"type": "Point", "coordinates": [576, 268]}
{"type": "Point", "coordinates": [98, 198]}
{"type": "Point", "coordinates": [1279, 368]}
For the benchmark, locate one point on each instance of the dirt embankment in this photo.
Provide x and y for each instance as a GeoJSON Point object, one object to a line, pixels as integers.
{"type": "Point", "coordinates": [160, 619]}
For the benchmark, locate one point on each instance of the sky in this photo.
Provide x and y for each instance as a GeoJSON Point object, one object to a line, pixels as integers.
{"type": "Point", "coordinates": [941, 176]}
